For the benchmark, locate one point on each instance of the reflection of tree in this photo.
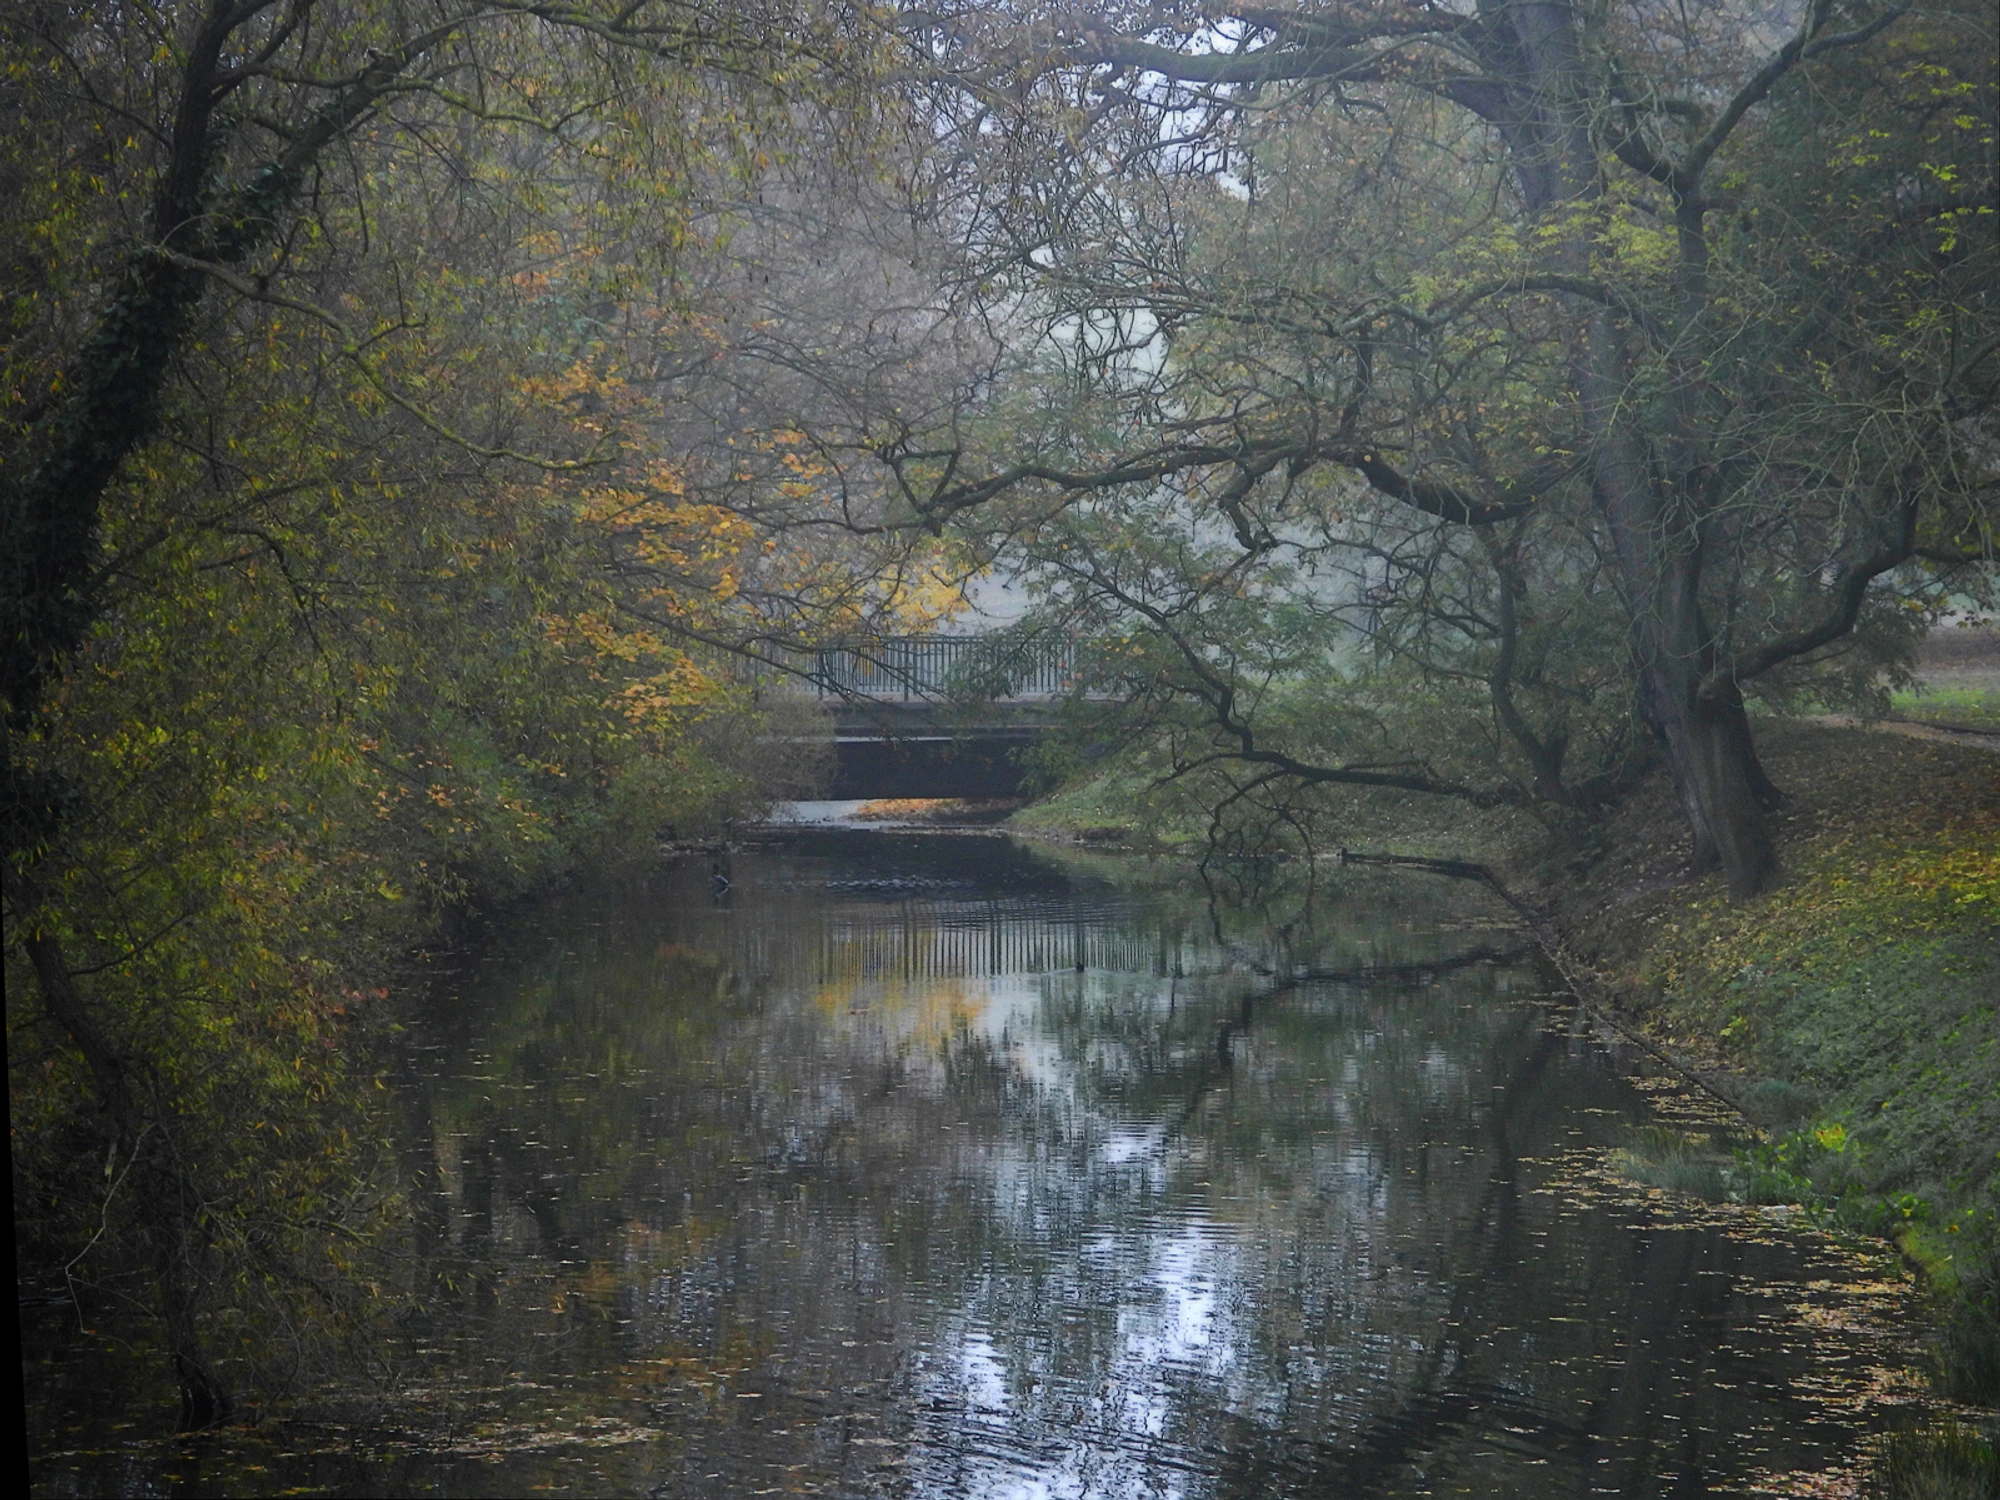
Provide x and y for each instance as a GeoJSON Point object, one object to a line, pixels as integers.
{"type": "Point", "coordinates": [1051, 1218]}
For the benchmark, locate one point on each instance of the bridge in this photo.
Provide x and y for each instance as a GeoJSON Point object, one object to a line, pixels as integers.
{"type": "Point", "coordinates": [936, 715]}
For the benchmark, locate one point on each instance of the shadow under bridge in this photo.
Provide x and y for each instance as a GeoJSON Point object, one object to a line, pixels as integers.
{"type": "Point", "coordinates": [939, 716]}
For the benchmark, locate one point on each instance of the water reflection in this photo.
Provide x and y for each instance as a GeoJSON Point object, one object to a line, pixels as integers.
{"type": "Point", "coordinates": [926, 1166]}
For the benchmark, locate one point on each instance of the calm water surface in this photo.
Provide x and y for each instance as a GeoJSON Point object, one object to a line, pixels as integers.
{"type": "Point", "coordinates": [875, 1164]}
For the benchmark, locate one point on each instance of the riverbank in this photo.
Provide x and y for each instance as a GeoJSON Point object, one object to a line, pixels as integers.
{"type": "Point", "coordinates": [1852, 1011]}
{"type": "Point", "coordinates": [1856, 1003]}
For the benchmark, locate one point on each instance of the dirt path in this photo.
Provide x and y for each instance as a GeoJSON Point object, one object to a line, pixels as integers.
{"type": "Point", "coordinates": [1916, 729]}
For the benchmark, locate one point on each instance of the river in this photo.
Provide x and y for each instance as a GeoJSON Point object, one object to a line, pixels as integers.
{"type": "Point", "coordinates": [938, 1166]}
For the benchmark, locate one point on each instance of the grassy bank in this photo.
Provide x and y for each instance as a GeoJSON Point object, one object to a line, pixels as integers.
{"type": "Point", "coordinates": [1125, 811]}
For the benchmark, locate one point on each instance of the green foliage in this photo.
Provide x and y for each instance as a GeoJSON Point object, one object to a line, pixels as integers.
{"type": "Point", "coordinates": [278, 798]}
{"type": "Point", "coordinates": [1679, 1161]}
{"type": "Point", "coordinates": [1398, 432]}
{"type": "Point", "coordinates": [1950, 1461]}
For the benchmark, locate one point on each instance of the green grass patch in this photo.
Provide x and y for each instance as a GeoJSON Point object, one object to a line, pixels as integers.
{"type": "Point", "coordinates": [1948, 1461]}
{"type": "Point", "coordinates": [1122, 807]}
{"type": "Point", "coordinates": [1679, 1161]}
{"type": "Point", "coordinates": [1971, 707]}
{"type": "Point", "coordinates": [1115, 806]}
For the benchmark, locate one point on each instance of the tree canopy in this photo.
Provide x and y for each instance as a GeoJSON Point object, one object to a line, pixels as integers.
{"type": "Point", "coordinates": [1476, 338]}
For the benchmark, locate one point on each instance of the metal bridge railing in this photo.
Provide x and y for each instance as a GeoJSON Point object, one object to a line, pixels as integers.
{"type": "Point", "coordinates": [922, 667]}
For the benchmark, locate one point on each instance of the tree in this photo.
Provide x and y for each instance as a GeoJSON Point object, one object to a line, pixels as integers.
{"type": "Point", "coordinates": [1705, 282]}
{"type": "Point", "coordinates": [309, 429]}
{"type": "Point", "coordinates": [235, 119]}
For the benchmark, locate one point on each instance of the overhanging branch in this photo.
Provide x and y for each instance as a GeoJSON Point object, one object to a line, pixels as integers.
{"type": "Point", "coordinates": [1838, 618]}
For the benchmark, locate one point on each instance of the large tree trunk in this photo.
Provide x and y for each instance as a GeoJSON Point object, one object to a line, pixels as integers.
{"type": "Point", "coordinates": [1652, 512]}
{"type": "Point", "coordinates": [1721, 786]}
{"type": "Point", "coordinates": [1657, 538]}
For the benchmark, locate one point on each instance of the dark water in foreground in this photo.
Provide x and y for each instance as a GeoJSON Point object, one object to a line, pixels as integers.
{"type": "Point", "coordinates": [936, 1167]}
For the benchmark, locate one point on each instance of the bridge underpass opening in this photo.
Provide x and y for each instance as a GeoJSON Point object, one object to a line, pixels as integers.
{"type": "Point", "coordinates": [975, 768]}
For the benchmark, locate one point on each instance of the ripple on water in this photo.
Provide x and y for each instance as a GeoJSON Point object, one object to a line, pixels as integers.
{"type": "Point", "coordinates": [942, 1167]}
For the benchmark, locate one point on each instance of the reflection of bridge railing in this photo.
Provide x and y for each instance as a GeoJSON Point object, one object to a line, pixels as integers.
{"type": "Point", "coordinates": [855, 952]}
{"type": "Point", "coordinates": [918, 940]}
{"type": "Point", "coordinates": [945, 666]}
